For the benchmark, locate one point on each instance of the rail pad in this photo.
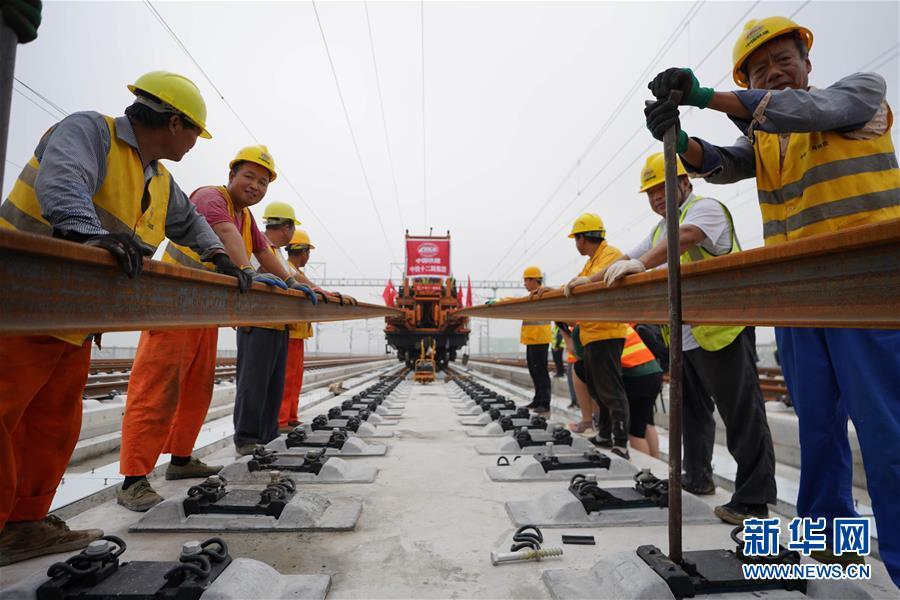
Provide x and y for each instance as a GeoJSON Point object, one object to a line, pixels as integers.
{"type": "Point", "coordinates": [304, 512]}
{"type": "Point", "coordinates": [353, 446]}
{"type": "Point", "coordinates": [508, 445]}
{"type": "Point", "coordinates": [528, 468]}
{"type": "Point", "coordinates": [334, 470]}
{"type": "Point", "coordinates": [562, 509]}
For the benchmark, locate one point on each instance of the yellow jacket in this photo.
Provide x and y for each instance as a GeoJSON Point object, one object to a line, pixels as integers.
{"type": "Point", "coordinates": [594, 331]}
{"type": "Point", "coordinates": [535, 332]}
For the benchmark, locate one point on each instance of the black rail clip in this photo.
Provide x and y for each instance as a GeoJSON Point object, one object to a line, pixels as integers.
{"type": "Point", "coordinates": [588, 460]}
{"type": "Point", "coordinates": [703, 572]}
{"type": "Point", "coordinates": [269, 460]}
{"type": "Point", "coordinates": [97, 573]}
{"type": "Point", "coordinates": [299, 438]}
{"type": "Point", "coordinates": [648, 492]}
{"type": "Point", "coordinates": [562, 437]}
{"type": "Point", "coordinates": [213, 497]}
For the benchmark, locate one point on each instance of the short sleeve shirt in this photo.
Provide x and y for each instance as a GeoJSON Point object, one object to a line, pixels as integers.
{"type": "Point", "coordinates": [212, 206]}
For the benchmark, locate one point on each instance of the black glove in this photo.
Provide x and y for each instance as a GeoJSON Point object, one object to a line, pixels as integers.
{"type": "Point", "coordinates": [23, 17]}
{"type": "Point", "coordinates": [127, 250]}
{"type": "Point", "coordinates": [683, 80]}
{"type": "Point", "coordinates": [296, 285]}
{"type": "Point", "coordinates": [662, 115]}
{"type": "Point", "coordinates": [226, 266]}
{"type": "Point", "coordinates": [322, 296]}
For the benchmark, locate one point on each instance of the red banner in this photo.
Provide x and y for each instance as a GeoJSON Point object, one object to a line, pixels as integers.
{"type": "Point", "coordinates": [427, 257]}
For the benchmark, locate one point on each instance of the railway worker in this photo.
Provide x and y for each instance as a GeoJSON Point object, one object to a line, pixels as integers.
{"type": "Point", "coordinates": [172, 379]}
{"type": "Point", "coordinates": [94, 180]}
{"type": "Point", "coordinates": [603, 341]}
{"type": "Point", "coordinates": [536, 337]}
{"type": "Point", "coordinates": [263, 350]}
{"type": "Point", "coordinates": [823, 160]}
{"type": "Point", "coordinates": [298, 251]}
{"type": "Point", "coordinates": [557, 347]}
{"type": "Point", "coordinates": [719, 362]}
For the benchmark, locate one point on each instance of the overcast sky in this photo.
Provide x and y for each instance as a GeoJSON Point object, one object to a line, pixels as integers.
{"type": "Point", "coordinates": [515, 95]}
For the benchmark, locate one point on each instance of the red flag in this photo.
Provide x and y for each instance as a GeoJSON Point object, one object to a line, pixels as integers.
{"type": "Point", "coordinates": [459, 295]}
{"type": "Point", "coordinates": [469, 292]}
{"type": "Point", "coordinates": [389, 294]}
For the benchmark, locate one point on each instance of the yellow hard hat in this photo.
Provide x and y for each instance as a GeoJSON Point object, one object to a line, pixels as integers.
{"type": "Point", "coordinates": [758, 32]}
{"type": "Point", "coordinates": [654, 171]}
{"type": "Point", "coordinates": [178, 92]}
{"type": "Point", "coordinates": [300, 241]}
{"type": "Point", "coordinates": [280, 210]}
{"type": "Point", "coordinates": [532, 273]}
{"type": "Point", "coordinates": [587, 222]}
{"type": "Point", "coordinates": [259, 155]}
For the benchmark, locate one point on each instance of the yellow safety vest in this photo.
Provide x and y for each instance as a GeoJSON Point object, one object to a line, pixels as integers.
{"type": "Point", "coordinates": [827, 183]}
{"type": "Point", "coordinates": [182, 255]}
{"type": "Point", "coordinates": [710, 337]}
{"type": "Point", "coordinates": [594, 331]}
{"type": "Point", "coordinates": [535, 332]}
{"type": "Point", "coordinates": [302, 330]}
{"type": "Point", "coordinates": [117, 203]}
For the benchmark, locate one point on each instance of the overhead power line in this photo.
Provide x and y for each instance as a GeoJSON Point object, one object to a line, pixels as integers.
{"type": "Point", "coordinates": [424, 146]}
{"type": "Point", "coordinates": [362, 166]}
{"type": "Point", "coordinates": [161, 20]}
{"type": "Point", "coordinates": [640, 79]}
{"type": "Point", "coordinates": [387, 140]}
{"type": "Point", "coordinates": [47, 100]}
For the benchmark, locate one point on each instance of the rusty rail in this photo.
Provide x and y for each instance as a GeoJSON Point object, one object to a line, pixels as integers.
{"type": "Point", "coordinates": [847, 279]}
{"type": "Point", "coordinates": [52, 286]}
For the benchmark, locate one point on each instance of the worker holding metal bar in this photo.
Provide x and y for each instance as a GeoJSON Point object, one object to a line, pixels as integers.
{"type": "Point", "coordinates": [603, 342]}
{"type": "Point", "coordinates": [719, 362]}
{"type": "Point", "coordinates": [298, 251]}
{"type": "Point", "coordinates": [263, 350]}
{"type": "Point", "coordinates": [536, 337]}
{"type": "Point", "coordinates": [173, 375]}
{"type": "Point", "coordinates": [94, 180]}
{"type": "Point", "coordinates": [823, 161]}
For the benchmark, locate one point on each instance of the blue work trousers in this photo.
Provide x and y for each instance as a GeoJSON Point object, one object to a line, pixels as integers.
{"type": "Point", "coordinates": [832, 374]}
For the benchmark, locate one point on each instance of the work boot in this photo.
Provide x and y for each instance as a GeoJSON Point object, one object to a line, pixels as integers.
{"type": "Point", "coordinates": [139, 497]}
{"type": "Point", "coordinates": [828, 557]}
{"type": "Point", "coordinates": [195, 468]}
{"type": "Point", "coordinates": [621, 451]}
{"type": "Point", "coordinates": [245, 449]}
{"type": "Point", "coordinates": [542, 410]}
{"type": "Point", "coordinates": [21, 540]}
{"type": "Point", "coordinates": [600, 441]}
{"type": "Point", "coordinates": [735, 512]}
{"type": "Point", "coordinates": [706, 489]}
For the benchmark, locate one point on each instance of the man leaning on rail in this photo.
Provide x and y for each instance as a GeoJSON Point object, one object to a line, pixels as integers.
{"type": "Point", "coordinates": [719, 362]}
{"type": "Point", "coordinates": [93, 180]}
{"type": "Point", "coordinates": [823, 161]}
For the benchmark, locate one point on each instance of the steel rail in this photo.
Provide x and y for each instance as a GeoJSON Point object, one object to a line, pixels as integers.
{"type": "Point", "coordinates": [53, 286]}
{"type": "Point", "coordinates": [846, 279]}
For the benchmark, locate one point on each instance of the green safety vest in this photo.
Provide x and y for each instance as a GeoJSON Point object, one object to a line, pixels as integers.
{"type": "Point", "coordinates": [710, 337]}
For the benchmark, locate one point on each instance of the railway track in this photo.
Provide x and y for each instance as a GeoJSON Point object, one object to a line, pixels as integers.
{"type": "Point", "coordinates": [771, 380]}
{"type": "Point", "coordinates": [109, 376]}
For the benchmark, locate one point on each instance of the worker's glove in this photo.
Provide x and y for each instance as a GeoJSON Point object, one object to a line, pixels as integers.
{"type": "Point", "coordinates": [124, 247]}
{"type": "Point", "coordinates": [342, 299]}
{"type": "Point", "coordinates": [266, 278]}
{"type": "Point", "coordinates": [23, 17]}
{"type": "Point", "coordinates": [296, 285]}
{"type": "Point", "coordinates": [322, 294]}
{"type": "Point", "coordinates": [538, 293]}
{"type": "Point", "coordinates": [685, 81]}
{"type": "Point", "coordinates": [226, 266]}
{"type": "Point", "coordinates": [620, 269]}
{"type": "Point", "coordinates": [490, 301]}
{"type": "Point", "coordinates": [574, 283]}
{"type": "Point", "coordinates": [662, 115]}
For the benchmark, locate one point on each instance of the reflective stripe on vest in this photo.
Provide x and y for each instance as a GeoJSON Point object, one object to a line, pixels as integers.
{"type": "Point", "coordinates": [710, 337]}
{"type": "Point", "coordinates": [117, 203]}
{"type": "Point", "coordinates": [635, 353]}
{"type": "Point", "coordinates": [182, 255]}
{"type": "Point", "coordinates": [535, 332]}
{"type": "Point", "coordinates": [826, 183]}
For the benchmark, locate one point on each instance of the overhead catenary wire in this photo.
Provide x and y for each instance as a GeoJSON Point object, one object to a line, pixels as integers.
{"type": "Point", "coordinates": [53, 116]}
{"type": "Point", "coordinates": [47, 100]}
{"type": "Point", "coordinates": [424, 140]}
{"type": "Point", "coordinates": [161, 20]}
{"type": "Point", "coordinates": [641, 78]}
{"type": "Point", "coordinates": [362, 166]}
{"type": "Point", "coordinates": [387, 139]}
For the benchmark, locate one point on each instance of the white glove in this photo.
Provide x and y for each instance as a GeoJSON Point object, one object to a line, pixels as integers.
{"type": "Point", "coordinates": [620, 269]}
{"type": "Point", "coordinates": [573, 283]}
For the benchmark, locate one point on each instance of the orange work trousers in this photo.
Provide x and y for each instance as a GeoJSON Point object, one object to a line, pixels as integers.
{"type": "Point", "coordinates": [41, 384]}
{"type": "Point", "coordinates": [293, 383]}
{"type": "Point", "coordinates": [169, 393]}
